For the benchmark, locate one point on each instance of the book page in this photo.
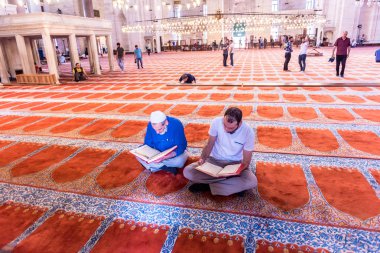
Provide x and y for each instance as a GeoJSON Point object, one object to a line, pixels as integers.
{"type": "Point", "coordinates": [230, 169]}
{"type": "Point", "coordinates": [146, 151]}
{"type": "Point", "coordinates": [210, 169]}
{"type": "Point", "coordinates": [162, 154]}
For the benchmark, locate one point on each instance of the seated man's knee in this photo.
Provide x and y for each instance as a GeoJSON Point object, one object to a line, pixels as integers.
{"type": "Point", "coordinates": [188, 172]}
{"type": "Point", "coordinates": [251, 181]}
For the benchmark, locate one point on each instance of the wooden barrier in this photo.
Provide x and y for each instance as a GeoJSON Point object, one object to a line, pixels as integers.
{"type": "Point", "coordinates": [36, 78]}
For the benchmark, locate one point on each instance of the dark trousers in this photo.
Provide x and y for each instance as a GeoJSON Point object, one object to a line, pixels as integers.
{"type": "Point", "coordinates": [78, 76]}
{"type": "Point", "coordinates": [287, 60]}
{"type": "Point", "coordinates": [302, 61]}
{"type": "Point", "coordinates": [225, 56]}
{"type": "Point", "coordinates": [340, 59]}
{"type": "Point", "coordinates": [139, 61]}
{"type": "Point", "coordinates": [232, 59]}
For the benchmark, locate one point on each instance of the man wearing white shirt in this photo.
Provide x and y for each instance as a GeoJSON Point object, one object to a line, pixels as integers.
{"type": "Point", "coordinates": [232, 52]}
{"type": "Point", "coordinates": [231, 141]}
{"type": "Point", "coordinates": [302, 55]}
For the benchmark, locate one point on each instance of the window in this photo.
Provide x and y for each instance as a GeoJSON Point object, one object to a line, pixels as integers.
{"type": "Point", "coordinates": [275, 5]}
{"type": "Point", "coordinates": [177, 11]}
{"type": "Point", "coordinates": [310, 4]}
{"type": "Point", "coordinates": [274, 32]}
{"type": "Point", "coordinates": [205, 10]}
{"type": "Point", "coordinates": [311, 32]}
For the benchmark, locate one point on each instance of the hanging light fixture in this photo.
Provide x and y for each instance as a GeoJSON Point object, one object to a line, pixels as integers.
{"type": "Point", "coordinates": [369, 3]}
{"type": "Point", "coordinates": [212, 23]}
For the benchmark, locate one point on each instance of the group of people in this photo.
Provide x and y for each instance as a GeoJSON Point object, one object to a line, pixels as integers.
{"type": "Point", "coordinates": [231, 141]}
{"type": "Point", "coordinates": [342, 47]}
{"type": "Point", "coordinates": [228, 49]}
{"type": "Point", "coordinates": [120, 56]}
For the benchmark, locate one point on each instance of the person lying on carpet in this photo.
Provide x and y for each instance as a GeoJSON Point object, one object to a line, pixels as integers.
{"type": "Point", "coordinates": [187, 78]}
{"type": "Point", "coordinates": [231, 141]}
{"type": "Point", "coordinates": [163, 133]}
{"type": "Point", "coordinates": [79, 73]}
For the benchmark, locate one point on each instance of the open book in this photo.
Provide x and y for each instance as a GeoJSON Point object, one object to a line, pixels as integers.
{"type": "Point", "coordinates": [216, 171]}
{"type": "Point", "coordinates": [149, 154]}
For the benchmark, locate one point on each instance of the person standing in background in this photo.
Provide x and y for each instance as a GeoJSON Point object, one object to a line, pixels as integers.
{"type": "Point", "coordinates": [288, 52]}
{"type": "Point", "coordinates": [343, 47]}
{"type": "Point", "coordinates": [231, 49]}
{"type": "Point", "coordinates": [303, 52]}
{"type": "Point", "coordinates": [225, 52]}
{"type": "Point", "coordinates": [120, 56]}
{"type": "Point", "coordinates": [138, 57]}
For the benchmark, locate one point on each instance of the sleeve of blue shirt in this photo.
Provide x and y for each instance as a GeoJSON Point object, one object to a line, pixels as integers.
{"type": "Point", "coordinates": [148, 136]}
{"type": "Point", "coordinates": [180, 138]}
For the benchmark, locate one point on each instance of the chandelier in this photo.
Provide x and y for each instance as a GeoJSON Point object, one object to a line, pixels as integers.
{"type": "Point", "coordinates": [181, 4]}
{"type": "Point", "coordinates": [369, 3]}
{"type": "Point", "coordinates": [215, 23]}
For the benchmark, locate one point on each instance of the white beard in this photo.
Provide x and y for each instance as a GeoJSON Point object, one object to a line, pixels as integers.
{"type": "Point", "coordinates": [165, 130]}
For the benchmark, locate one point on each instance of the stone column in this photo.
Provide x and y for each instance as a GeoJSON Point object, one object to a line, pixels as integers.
{"type": "Point", "coordinates": [3, 65]}
{"type": "Point", "coordinates": [22, 50]}
{"type": "Point", "coordinates": [94, 54]}
{"type": "Point", "coordinates": [90, 55]}
{"type": "Point", "coordinates": [50, 54]}
{"type": "Point", "coordinates": [73, 47]}
{"type": "Point", "coordinates": [110, 52]}
{"type": "Point", "coordinates": [29, 51]}
{"type": "Point", "coordinates": [36, 55]}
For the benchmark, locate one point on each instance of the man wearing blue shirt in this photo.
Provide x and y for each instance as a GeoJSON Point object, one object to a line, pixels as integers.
{"type": "Point", "coordinates": [138, 57]}
{"type": "Point", "coordinates": [377, 54]}
{"type": "Point", "coordinates": [163, 133]}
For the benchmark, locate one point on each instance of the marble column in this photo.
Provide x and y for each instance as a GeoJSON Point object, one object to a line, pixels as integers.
{"type": "Point", "coordinates": [22, 50]}
{"type": "Point", "coordinates": [73, 47]}
{"type": "Point", "coordinates": [110, 52]}
{"type": "Point", "coordinates": [94, 54]}
{"type": "Point", "coordinates": [50, 54]}
{"type": "Point", "coordinates": [36, 55]}
{"type": "Point", "coordinates": [3, 65]}
{"type": "Point", "coordinates": [29, 51]}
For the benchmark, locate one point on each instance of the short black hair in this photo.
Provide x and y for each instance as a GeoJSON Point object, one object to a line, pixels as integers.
{"type": "Point", "coordinates": [118, 44]}
{"type": "Point", "coordinates": [233, 114]}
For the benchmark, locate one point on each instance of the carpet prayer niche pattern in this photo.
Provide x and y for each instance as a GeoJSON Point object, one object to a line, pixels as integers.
{"type": "Point", "coordinates": [66, 172]}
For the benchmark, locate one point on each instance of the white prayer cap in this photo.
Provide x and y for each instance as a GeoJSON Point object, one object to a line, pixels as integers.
{"type": "Point", "coordinates": [157, 117]}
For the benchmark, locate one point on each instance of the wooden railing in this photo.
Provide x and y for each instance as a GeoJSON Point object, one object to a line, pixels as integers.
{"type": "Point", "coordinates": [36, 78]}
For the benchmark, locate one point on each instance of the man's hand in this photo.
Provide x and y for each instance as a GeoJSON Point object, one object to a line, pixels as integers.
{"type": "Point", "coordinates": [168, 156]}
{"type": "Point", "coordinates": [201, 161]}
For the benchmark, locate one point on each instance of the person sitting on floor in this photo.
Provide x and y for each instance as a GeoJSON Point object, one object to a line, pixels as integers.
{"type": "Point", "coordinates": [79, 73]}
{"type": "Point", "coordinates": [231, 141]}
{"type": "Point", "coordinates": [187, 78]}
{"type": "Point", "coordinates": [164, 132]}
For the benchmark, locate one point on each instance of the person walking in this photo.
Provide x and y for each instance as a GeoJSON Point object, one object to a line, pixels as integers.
{"type": "Point", "coordinates": [225, 52]}
{"type": "Point", "coordinates": [138, 57]}
{"type": "Point", "coordinates": [343, 47]}
{"type": "Point", "coordinates": [120, 56]}
{"type": "Point", "coordinates": [303, 52]}
{"type": "Point", "coordinates": [288, 52]}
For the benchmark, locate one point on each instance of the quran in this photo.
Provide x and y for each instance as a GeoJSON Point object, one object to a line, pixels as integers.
{"type": "Point", "coordinates": [149, 154]}
{"type": "Point", "coordinates": [217, 171]}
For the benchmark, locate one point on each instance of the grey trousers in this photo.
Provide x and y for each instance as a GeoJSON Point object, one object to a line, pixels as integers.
{"type": "Point", "coordinates": [176, 162]}
{"type": "Point", "coordinates": [222, 186]}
